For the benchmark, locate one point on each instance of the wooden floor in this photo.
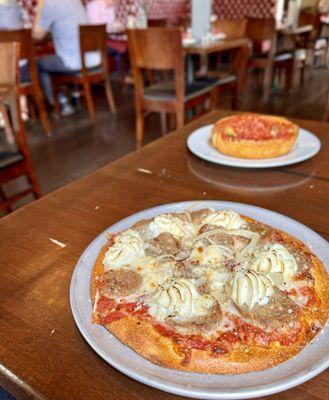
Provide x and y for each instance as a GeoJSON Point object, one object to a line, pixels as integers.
{"type": "Point", "coordinates": [78, 147]}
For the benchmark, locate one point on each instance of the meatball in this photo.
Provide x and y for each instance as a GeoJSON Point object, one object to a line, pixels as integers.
{"type": "Point", "coordinates": [166, 243]}
{"type": "Point", "coordinates": [120, 283]}
{"type": "Point", "coordinates": [279, 311]}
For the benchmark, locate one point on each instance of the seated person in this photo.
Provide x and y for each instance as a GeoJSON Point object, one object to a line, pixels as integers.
{"type": "Point", "coordinates": [10, 15]}
{"type": "Point", "coordinates": [61, 18]}
{"type": "Point", "coordinates": [104, 12]}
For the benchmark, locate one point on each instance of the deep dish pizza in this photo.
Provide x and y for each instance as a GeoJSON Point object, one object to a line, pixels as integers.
{"type": "Point", "coordinates": [254, 136]}
{"type": "Point", "coordinates": [209, 291]}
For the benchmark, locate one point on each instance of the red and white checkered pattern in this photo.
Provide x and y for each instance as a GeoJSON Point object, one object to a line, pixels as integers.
{"type": "Point", "coordinates": [237, 9]}
{"type": "Point", "coordinates": [174, 9]}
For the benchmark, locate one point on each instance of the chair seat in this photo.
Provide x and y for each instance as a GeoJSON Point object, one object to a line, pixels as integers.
{"type": "Point", "coordinates": [283, 56]}
{"type": "Point", "coordinates": [9, 158]}
{"type": "Point", "coordinates": [165, 91]}
{"type": "Point", "coordinates": [217, 78]}
{"type": "Point", "coordinates": [301, 54]}
{"type": "Point", "coordinates": [90, 71]}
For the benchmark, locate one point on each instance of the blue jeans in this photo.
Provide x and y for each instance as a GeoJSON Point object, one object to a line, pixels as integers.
{"type": "Point", "coordinates": [47, 66]}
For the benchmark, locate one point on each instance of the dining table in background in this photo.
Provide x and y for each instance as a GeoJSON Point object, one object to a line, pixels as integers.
{"type": "Point", "coordinates": [42, 353]}
{"type": "Point", "coordinates": [240, 47]}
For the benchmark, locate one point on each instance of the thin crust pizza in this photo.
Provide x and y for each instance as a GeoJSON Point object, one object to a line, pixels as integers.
{"type": "Point", "coordinates": [210, 292]}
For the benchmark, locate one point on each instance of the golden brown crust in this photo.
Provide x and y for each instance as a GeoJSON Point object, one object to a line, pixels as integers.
{"type": "Point", "coordinates": [160, 349]}
{"type": "Point", "coordinates": [253, 149]}
{"type": "Point", "coordinates": [141, 335]}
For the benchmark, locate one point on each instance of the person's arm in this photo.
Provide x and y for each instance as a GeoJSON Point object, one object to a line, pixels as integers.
{"type": "Point", "coordinates": [37, 31]}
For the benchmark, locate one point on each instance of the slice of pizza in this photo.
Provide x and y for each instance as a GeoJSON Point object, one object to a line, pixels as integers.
{"type": "Point", "coordinates": [209, 291]}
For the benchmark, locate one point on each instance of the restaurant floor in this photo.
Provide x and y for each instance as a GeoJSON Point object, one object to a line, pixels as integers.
{"type": "Point", "coordinates": [78, 147]}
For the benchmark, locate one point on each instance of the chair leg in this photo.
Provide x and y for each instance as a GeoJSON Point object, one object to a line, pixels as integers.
{"type": "Point", "coordinates": [35, 184]}
{"type": "Point", "coordinates": [139, 128]}
{"type": "Point", "coordinates": [289, 76]}
{"type": "Point", "coordinates": [302, 74]}
{"type": "Point", "coordinates": [32, 111]}
{"type": "Point", "coordinates": [235, 95]}
{"type": "Point", "coordinates": [8, 128]}
{"type": "Point", "coordinates": [267, 82]}
{"type": "Point", "coordinates": [8, 209]}
{"type": "Point", "coordinates": [163, 118]}
{"type": "Point", "coordinates": [214, 98]}
{"type": "Point", "coordinates": [110, 96]}
{"type": "Point", "coordinates": [172, 122]}
{"type": "Point", "coordinates": [180, 118]}
{"type": "Point", "coordinates": [90, 101]}
{"type": "Point", "coordinates": [57, 108]}
{"type": "Point", "coordinates": [43, 112]}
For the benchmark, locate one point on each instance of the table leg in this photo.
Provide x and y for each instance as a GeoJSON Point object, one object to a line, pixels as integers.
{"type": "Point", "coordinates": [240, 67]}
{"type": "Point", "coordinates": [190, 69]}
{"type": "Point", "coordinates": [204, 60]}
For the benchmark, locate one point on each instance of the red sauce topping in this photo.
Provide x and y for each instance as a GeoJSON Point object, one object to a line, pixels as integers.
{"type": "Point", "coordinates": [310, 295]}
{"type": "Point", "coordinates": [112, 311]}
{"type": "Point", "coordinates": [254, 127]}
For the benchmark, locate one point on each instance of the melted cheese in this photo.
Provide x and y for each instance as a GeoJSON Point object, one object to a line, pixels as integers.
{"type": "Point", "coordinates": [276, 262]}
{"type": "Point", "coordinates": [250, 288]}
{"type": "Point", "coordinates": [179, 299]}
{"type": "Point", "coordinates": [228, 219]}
{"type": "Point", "coordinates": [212, 254]}
{"type": "Point", "coordinates": [171, 224]}
{"type": "Point", "coordinates": [126, 248]}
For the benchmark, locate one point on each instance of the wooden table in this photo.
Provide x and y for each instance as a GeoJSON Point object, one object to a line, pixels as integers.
{"type": "Point", "coordinates": [42, 352]}
{"type": "Point", "coordinates": [240, 47]}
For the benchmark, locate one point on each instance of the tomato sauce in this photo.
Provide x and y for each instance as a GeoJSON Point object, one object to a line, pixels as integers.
{"type": "Point", "coordinates": [254, 127]}
{"type": "Point", "coordinates": [310, 295]}
{"type": "Point", "coordinates": [113, 311]}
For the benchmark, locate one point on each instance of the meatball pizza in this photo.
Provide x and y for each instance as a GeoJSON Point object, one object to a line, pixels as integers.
{"type": "Point", "coordinates": [210, 292]}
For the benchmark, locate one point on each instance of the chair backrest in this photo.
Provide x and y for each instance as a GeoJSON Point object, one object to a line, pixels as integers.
{"type": "Point", "coordinates": [22, 36]}
{"type": "Point", "coordinates": [261, 30]}
{"type": "Point", "coordinates": [92, 38]}
{"type": "Point", "coordinates": [9, 75]}
{"type": "Point", "coordinates": [9, 56]}
{"type": "Point", "coordinates": [233, 28]}
{"type": "Point", "coordinates": [157, 49]}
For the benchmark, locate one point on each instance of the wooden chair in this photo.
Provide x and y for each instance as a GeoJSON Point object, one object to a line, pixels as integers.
{"type": "Point", "coordinates": [15, 161]}
{"type": "Point", "coordinates": [32, 88]}
{"type": "Point", "coordinates": [233, 29]}
{"type": "Point", "coordinates": [318, 44]}
{"type": "Point", "coordinates": [92, 38]}
{"type": "Point", "coordinates": [161, 49]}
{"type": "Point", "coordinates": [303, 51]}
{"type": "Point", "coordinates": [262, 32]}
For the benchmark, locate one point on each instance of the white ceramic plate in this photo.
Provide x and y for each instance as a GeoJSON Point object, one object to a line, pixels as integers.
{"type": "Point", "coordinates": [310, 362]}
{"type": "Point", "coordinates": [307, 146]}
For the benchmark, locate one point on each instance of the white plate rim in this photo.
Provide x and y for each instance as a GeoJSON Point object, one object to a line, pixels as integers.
{"type": "Point", "coordinates": [263, 390]}
{"type": "Point", "coordinates": [246, 163]}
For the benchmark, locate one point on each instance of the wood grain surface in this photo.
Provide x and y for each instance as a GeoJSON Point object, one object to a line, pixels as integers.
{"type": "Point", "coordinates": [217, 46]}
{"type": "Point", "coordinates": [42, 352]}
